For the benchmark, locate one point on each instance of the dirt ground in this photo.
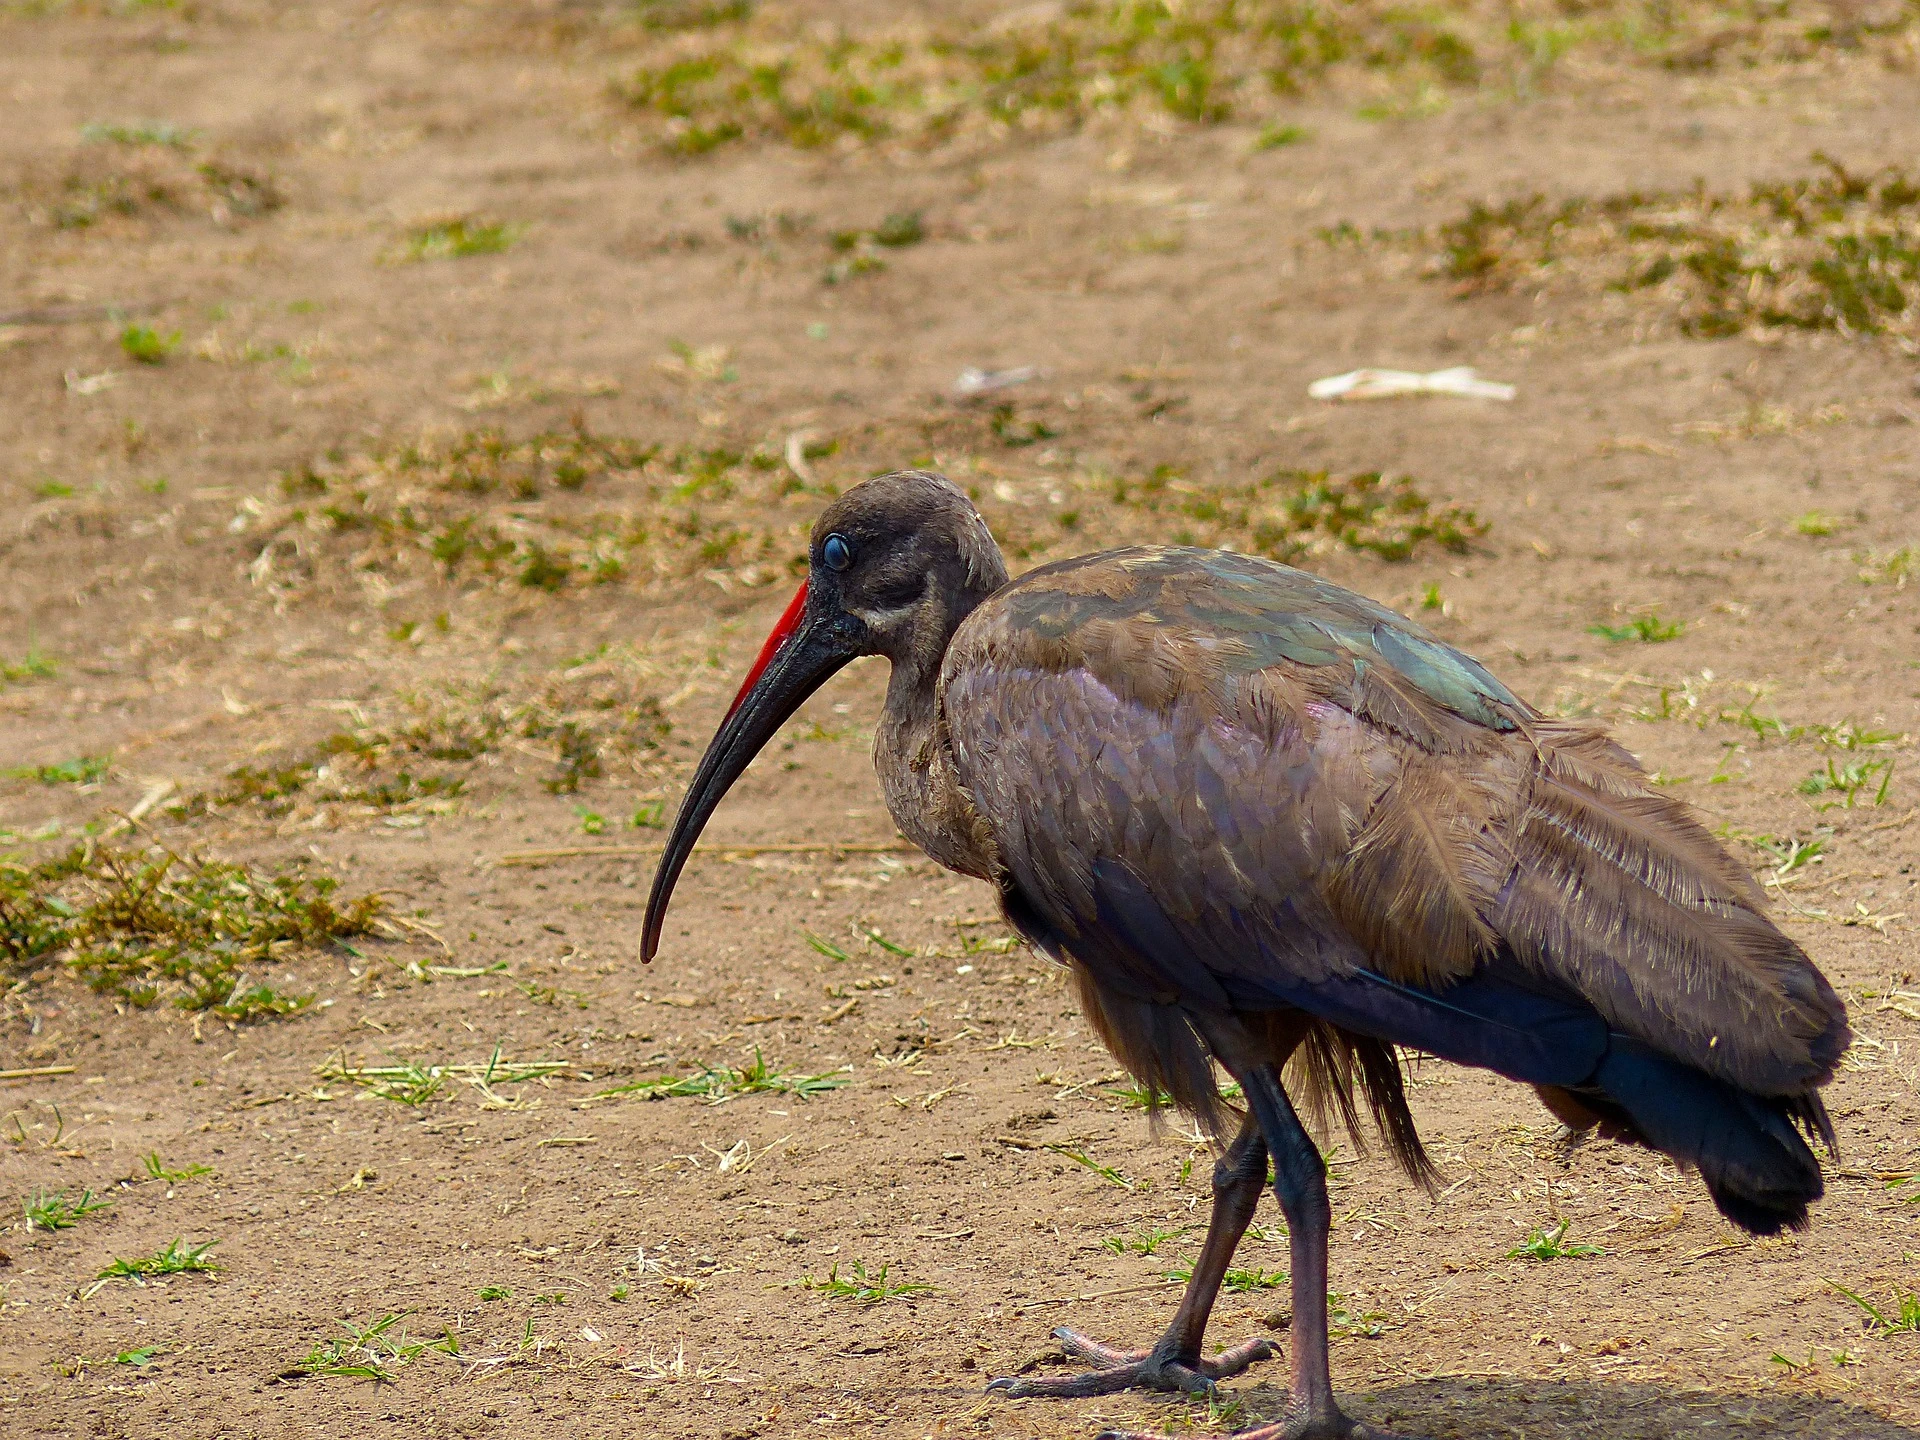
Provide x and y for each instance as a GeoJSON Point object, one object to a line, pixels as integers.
{"type": "Point", "coordinates": [475, 407]}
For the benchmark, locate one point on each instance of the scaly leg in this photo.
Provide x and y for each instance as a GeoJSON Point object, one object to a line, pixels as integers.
{"type": "Point", "coordinates": [1300, 1181]}
{"type": "Point", "coordinates": [1175, 1362]}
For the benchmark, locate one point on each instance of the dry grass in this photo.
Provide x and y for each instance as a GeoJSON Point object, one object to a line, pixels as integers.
{"type": "Point", "coordinates": [715, 75]}
{"type": "Point", "coordinates": [144, 925]}
{"type": "Point", "coordinates": [1830, 250]}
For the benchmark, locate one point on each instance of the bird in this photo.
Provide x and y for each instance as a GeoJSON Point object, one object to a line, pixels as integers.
{"type": "Point", "coordinates": [1271, 826]}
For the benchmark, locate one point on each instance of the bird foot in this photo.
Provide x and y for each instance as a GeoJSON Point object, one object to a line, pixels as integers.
{"type": "Point", "coordinates": [1333, 1426]}
{"type": "Point", "coordinates": [1133, 1370]}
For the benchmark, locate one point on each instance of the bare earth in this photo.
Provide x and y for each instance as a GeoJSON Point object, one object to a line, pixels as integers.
{"type": "Point", "coordinates": [651, 1258]}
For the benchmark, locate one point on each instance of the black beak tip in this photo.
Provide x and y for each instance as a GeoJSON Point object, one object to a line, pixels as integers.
{"type": "Point", "coordinates": [796, 661]}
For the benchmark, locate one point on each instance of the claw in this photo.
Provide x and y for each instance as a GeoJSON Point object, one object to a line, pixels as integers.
{"type": "Point", "coordinates": [1300, 1427]}
{"type": "Point", "coordinates": [1131, 1369]}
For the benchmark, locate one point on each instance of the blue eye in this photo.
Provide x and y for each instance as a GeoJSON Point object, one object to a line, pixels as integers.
{"type": "Point", "coordinates": [836, 553]}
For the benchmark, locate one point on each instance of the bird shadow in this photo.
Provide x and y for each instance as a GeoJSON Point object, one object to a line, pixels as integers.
{"type": "Point", "coordinates": [1481, 1409]}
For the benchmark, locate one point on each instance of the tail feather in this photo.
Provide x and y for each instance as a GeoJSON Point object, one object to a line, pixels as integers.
{"type": "Point", "coordinates": [1749, 1149]}
{"type": "Point", "coordinates": [1617, 890]}
{"type": "Point", "coordinates": [1327, 1070]}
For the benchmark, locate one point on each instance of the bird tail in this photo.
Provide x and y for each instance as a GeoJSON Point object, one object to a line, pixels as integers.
{"type": "Point", "coordinates": [1750, 1150]}
{"type": "Point", "coordinates": [1614, 889]}
{"type": "Point", "coordinates": [1332, 1067]}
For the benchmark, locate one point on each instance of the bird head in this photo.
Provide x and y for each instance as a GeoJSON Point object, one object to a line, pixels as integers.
{"type": "Point", "coordinates": [893, 567]}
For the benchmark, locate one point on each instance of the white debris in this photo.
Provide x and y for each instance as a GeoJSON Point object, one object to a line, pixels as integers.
{"type": "Point", "coordinates": [1384, 384]}
{"type": "Point", "coordinates": [973, 381]}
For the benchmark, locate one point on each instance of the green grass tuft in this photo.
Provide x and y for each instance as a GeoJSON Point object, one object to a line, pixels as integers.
{"type": "Point", "coordinates": [1276, 135]}
{"type": "Point", "coordinates": [1543, 1245]}
{"type": "Point", "coordinates": [36, 664]}
{"type": "Point", "coordinates": [1106, 1172]}
{"type": "Point", "coordinates": [459, 239]}
{"type": "Point", "coordinates": [372, 1351]}
{"type": "Point", "coordinates": [1237, 1282]}
{"type": "Point", "coordinates": [1847, 780]}
{"type": "Point", "coordinates": [821, 945]}
{"type": "Point", "coordinates": [1145, 1240]}
{"type": "Point", "coordinates": [57, 1210]}
{"type": "Point", "coordinates": [147, 345]}
{"type": "Point", "coordinates": [717, 1085]}
{"type": "Point", "coordinates": [176, 1258]}
{"type": "Point", "coordinates": [868, 1289]}
{"type": "Point", "coordinates": [156, 1170]}
{"type": "Point", "coordinates": [1901, 1316]}
{"type": "Point", "coordinates": [1647, 629]}
{"type": "Point", "coordinates": [83, 771]}
{"type": "Point", "coordinates": [139, 132]}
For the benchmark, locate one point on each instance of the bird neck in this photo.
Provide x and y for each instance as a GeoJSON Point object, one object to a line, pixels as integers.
{"type": "Point", "coordinates": [914, 756]}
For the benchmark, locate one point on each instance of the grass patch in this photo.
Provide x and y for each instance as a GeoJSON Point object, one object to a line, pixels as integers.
{"type": "Point", "coordinates": [372, 1351]}
{"type": "Point", "coordinates": [859, 249]}
{"type": "Point", "coordinates": [1276, 136]}
{"type": "Point", "coordinates": [138, 132]}
{"type": "Point", "coordinates": [717, 1085]}
{"type": "Point", "coordinates": [1135, 1096]}
{"type": "Point", "coordinates": [858, 1284]}
{"type": "Point", "coordinates": [1237, 1282]}
{"type": "Point", "coordinates": [137, 924]}
{"type": "Point", "coordinates": [83, 771]}
{"type": "Point", "coordinates": [413, 1084]}
{"type": "Point", "coordinates": [1045, 74]}
{"type": "Point", "coordinates": [177, 1257]}
{"type": "Point", "coordinates": [57, 1210]}
{"type": "Point", "coordinates": [874, 937]}
{"type": "Point", "coordinates": [1144, 1241]}
{"type": "Point", "coordinates": [1831, 250]}
{"type": "Point", "coordinates": [457, 511]}
{"type": "Point", "coordinates": [746, 73]}
{"type": "Point", "coordinates": [143, 182]}
{"type": "Point", "coordinates": [406, 1084]}
{"type": "Point", "coordinates": [1900, 1317]}
{"type": "Point", "coordinates": [157, 1170]}
{"type": "Point", "coordinates": [1343, 1319]}
{"type": "Point", "coordinates": [819, 944]}
{"type": "Point", "coordinates": [36, 664]}
{"type": "Point", "coordinates": [1895, 567]}
{"type": "Point", "coordinates": [1296, 513]}
{"type": "Point", "coordinates": [1789, 854]}
{"type": "Point", "coordinates": [147, 346]}
{"type": "Point", "coordinates": [419, 760]}
{"type": "Point", "coordinates": [1846, 781]}
{"type": "Point", "coordinates": [1544, 1245]}
{"type": "Point", "coordinates": [459, 239]}
{"type": "Point", "coordinates": [1648, 629]}
{"type": "Point", "coordinates": [1106, 1172]}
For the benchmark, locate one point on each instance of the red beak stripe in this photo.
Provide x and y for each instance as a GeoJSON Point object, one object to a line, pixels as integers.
{"type": "Point", "coordinates": [789, 622]}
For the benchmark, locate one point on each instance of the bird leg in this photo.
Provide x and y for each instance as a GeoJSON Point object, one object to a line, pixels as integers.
{"type": "Point", "coordinates": [1300, 1182]}
{"type": "Point", "coordinates": [1175, 1362]}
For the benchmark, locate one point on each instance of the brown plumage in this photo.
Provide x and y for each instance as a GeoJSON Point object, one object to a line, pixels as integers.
{"type": "Point", "coordinates": [1271, 826]}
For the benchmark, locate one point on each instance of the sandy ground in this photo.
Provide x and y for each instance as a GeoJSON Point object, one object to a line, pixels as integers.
{"type": "Point", "coordinates": [209, 558]}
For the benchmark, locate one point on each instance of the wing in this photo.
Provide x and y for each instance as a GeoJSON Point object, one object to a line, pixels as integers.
{"type": "Point", "coordinates": [1226, 783]}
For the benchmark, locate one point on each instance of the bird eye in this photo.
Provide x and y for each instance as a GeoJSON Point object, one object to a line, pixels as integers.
{"type": "Point", "coordinates": [836, 553]}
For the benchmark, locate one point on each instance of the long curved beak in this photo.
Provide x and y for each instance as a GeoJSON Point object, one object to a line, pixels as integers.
{"type": "Point", "coordinates": [801, 654]}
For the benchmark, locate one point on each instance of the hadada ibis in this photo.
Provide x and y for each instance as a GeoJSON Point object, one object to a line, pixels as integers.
{"type": "Point", "coordinates": [1272, 826]}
